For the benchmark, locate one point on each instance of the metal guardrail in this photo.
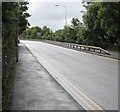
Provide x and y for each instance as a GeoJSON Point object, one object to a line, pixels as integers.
{"type": "Point", "coordinates": [81, 47]}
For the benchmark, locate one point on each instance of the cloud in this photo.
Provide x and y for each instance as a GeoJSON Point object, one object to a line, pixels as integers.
{"type": "Point", "coordinates": [46, 13]}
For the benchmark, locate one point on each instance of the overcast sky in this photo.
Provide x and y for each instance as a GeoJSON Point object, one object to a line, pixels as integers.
{"type": "Point", "coordinates": [45, 13]}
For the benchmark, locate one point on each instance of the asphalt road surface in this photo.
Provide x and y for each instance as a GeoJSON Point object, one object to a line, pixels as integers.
{"type": "Point", "coordinates": [92, 79]}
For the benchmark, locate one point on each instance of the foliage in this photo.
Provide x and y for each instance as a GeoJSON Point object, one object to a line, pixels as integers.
{"type": "Point", "coordinates": [102, 25]}
{"type": "Point", "coordinates": [12, 16]}
{"type": "Point", "coordinates": [99, 28]}
{"type": "Point", "coordinates": [31, 33]}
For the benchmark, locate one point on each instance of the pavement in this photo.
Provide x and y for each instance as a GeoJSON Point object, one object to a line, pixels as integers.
{"type": "Point", "coordinates": [92, 80]}
{"type": "Point", "coordinates": [36, 89]}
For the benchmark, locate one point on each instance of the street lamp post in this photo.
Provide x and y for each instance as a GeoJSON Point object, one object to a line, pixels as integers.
{"type": "Point", "coordinates": [65, 17]}
{"type": "Point", "coordinates": [65, 12]}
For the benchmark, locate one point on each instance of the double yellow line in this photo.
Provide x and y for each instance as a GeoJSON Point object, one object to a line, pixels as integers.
{"type": "Point", "coordinates": [68, 86]}
{"type": "Point", "coordinates": [89, 103]}
{"type": "Point", "coordinates": [76, 92]}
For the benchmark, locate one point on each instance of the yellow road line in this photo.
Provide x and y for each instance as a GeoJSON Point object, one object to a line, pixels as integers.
{"type": "Point", "coordinates": [92, 54]}
{"type": "Point", "coordinates": [57, 77]}
{"type": "Point", "coordinates": [79, 97]}
{"type": "Point", "coordinates": [82, 94]}
{"type": "Point", "coordinates": [69, 84]}
{"type": "Point", "coordinates": [100, 108]}
{"type": "Point", "coordinates": [96, 105]}
{"type": "Point", "coordinates": [106, 57]}
{"type": "Point", "coordinates": [101, 56]}
{"type": "Point", "coordinates": [97, 55]}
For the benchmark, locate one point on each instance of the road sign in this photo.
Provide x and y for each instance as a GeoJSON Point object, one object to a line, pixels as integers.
{"type": "Point", "coordinates": [38, 34]}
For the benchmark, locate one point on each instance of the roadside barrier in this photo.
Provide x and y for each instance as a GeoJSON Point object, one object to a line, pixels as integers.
{"type": "Point", "coordinates": [80, 47]}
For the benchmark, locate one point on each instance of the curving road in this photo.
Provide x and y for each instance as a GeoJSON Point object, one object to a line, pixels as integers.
{"type": "Point", "coordinates": [94, 76]}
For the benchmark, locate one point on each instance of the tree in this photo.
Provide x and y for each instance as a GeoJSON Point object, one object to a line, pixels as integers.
{"type": "Point", "coordinates": [22, 15]}
{"type": "Point", "coordinates": [46, 30]}
{"type": "Point", "coordinates": [108, 15]}
{"type": "Point", "coordinates": [82, 35]}
{"type": "Point", "coordinates": [101, 20]}
{"type": "Point", "coordinates": [58, 35]}
{"type": "Point", "coordinates": [10, 14]}
{"type": "Point", "coordinates": [99, 28]}
{"type": "Point", "coordinates": [75, 24]}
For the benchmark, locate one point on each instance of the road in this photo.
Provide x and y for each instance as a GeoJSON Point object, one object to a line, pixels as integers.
{"type": "Point", "coordinates": [91, 79]}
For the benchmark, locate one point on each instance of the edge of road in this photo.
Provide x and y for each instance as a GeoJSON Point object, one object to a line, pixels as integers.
{"type": "Point", "coordinates": [55, 79]}
{"type": "Point", "coordinates": [77, 95]}
{"type": "Point", "coordinates": [112, 57]}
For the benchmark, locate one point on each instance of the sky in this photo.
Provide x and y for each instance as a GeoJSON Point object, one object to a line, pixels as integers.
{"type": "Point", "coordinates": [45, 13]}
